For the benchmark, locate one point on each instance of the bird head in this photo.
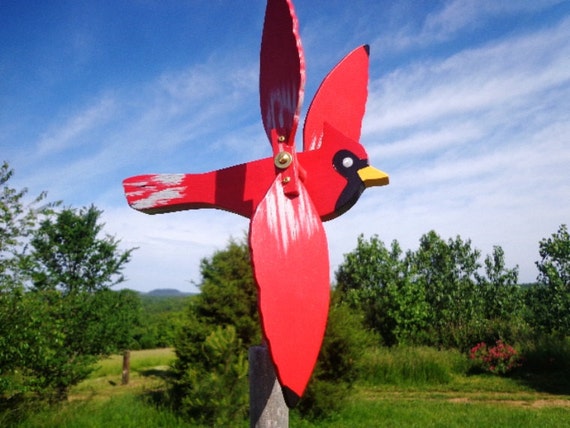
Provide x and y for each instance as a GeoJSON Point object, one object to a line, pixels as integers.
{"type": "Point", "coordinates": [338, 172]}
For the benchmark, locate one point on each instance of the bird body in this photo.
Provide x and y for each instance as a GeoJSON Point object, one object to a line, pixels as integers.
{"type": "Point", "coordinates": [240, 188]}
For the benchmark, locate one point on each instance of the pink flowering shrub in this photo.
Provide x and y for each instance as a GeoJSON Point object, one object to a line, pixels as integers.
{"type": "Point", "coordinates": [498, 359]}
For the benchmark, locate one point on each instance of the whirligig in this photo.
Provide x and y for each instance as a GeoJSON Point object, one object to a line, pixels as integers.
{"type": "Point", "coordinates": [286, 196]}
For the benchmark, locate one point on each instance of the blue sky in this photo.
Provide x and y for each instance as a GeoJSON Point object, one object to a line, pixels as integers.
{"type": "Point", "coordinates": [468, 112]}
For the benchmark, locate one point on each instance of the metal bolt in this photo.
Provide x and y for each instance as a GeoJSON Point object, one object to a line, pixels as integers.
{"type": "Point", "coordinates": [281, 138]}
{"type": "Point", "coordinates": [284, 157]}
{"type": "Point", "coordinates": [283, 160]}
{"type": "Point", "coordinates": [286, 180]}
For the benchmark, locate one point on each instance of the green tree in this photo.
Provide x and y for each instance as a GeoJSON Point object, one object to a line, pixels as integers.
{"type": "Point", "coordinates": [377, 281]}
{"type": "Point", "coordinates": [502, 295]}
{"type": "Point", "coordinates": [18, 220]}
{"type": "Point", "coordinates": [550, 299]}
{"type": "Point", "coordinates": [446, 271]}
{"type": "Point", "coordinates": [502, 300]}
{"type": "Point", "coordinates": [163, 317]}
{"type": "Point", "coordinates": [70, 255]}
{"type": "Point", "coordinates": [72, 269]}
{"type": "Point", "coordinates": [20, 321]}
{"type": "Point", "coordinates": [221, 323]}
{"type": "Point", "coordinates": [228, 294]}
{"type": "Point", "coordinates": [345, 342]}
{"type": "Point", "coordinates": [435, 295]}
{"type": "Point", "coordinates": [213, 389]}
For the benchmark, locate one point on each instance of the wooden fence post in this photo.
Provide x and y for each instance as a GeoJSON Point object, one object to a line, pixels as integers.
{"type": "Point", "coordinates": [126, 367]}
{"type": "Point", "coordinates": [267, 408]}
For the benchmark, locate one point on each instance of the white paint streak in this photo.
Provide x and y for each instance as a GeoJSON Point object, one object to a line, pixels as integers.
{"type": "Point", "coordinates": [137, 183]}
{"type": "Point", "coordinates": [287, 218]}
{"type": "Point", "coordinates": [284, 103]}
{"type": "Point", "coordinates": [159, 198]}
{"type": "Point", "coordinates": [169, 179]}
{"type": "Point", "coordinates": [316, 141]}
{"type": "Point", "coordinates": [134, 193]}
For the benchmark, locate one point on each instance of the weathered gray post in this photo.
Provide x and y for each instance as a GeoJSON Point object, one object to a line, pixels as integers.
{"type": "Point", "coordinates": [267, 408]}
{"type": "Point", "coordinates": [126, 367]}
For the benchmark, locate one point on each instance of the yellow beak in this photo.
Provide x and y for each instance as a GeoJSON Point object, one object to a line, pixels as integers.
{"type": "Point", "coordinates": [371, 176]}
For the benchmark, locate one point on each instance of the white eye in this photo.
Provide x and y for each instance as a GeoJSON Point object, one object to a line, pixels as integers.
{"type": "Point", "coordinates": [347, 162]}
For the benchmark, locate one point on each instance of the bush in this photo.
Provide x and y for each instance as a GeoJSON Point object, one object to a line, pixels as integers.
{"type": "Point", "coordinates": [338, 365]}
{"type": "Point", "coordinates": [499, 359]}
{"type": "Point", "coordinates": [210, 373]}
{"type": "Point", "coordinates": [546, 353]}
{"type": "Point", "coordinates": [215, 390]}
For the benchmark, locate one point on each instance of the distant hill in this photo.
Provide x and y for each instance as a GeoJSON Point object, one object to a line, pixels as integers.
{"type": "Point", "coordinates": [167, 292]}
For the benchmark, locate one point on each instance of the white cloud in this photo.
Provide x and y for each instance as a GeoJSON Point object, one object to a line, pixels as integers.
{"type": "Point", "coordinates": [476, 144]}
{"type": "Point", "coordinates": [459, 14]}
{"type": "Point", "coordinates": [170, 246]}
{"type": "Point", "coordinates": [188, 120]}
{"type": "Point", "coordinates": [495, 76]}
{"type": "Point", "coordinates": [453, 18]}
{"type": "Point", "coordinates": [65, 135]}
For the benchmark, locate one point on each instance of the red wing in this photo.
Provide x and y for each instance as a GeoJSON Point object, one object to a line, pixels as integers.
{"type": "Point", "coordinates": [282, 70]}
{"type": "Point", "coordinates": [291, 266]}
{"type": "Point", "coordinates": [340, 100]}
{"type": "Point", "coordinates": [158, 193]}
{"type": "Point", "coordinates": [238, 189]}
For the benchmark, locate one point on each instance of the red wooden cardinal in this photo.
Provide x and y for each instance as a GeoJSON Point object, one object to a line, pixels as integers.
{"type": "Point", "coordinates": [286, 196]}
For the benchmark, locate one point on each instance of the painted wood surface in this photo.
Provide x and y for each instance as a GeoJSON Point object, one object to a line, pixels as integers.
{"type": "Point", "coordinates": [281, 74]}
{"type": "Point", "coordinates": [340, 100]}
{"type": "Point", "coordinates": [288, 195]}
{"type": "Point", "coordinates": [290, 259]}
{"type": "Point", "coordinates": [240, 188]}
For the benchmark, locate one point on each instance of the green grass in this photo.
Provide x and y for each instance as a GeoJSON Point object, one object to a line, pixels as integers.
{"type": "Point", "coordinates": [140, 360]}
{"type": "Point", "coordinates": [403, 387]}
{"type": "Point", "coordinates": [121, 411]}
{"type": "Point", "coordinates": [430, 410]}
{"type": "Point", "coordinates": [406, 366]}
{"type": "Point", "coordinates": [148, 370]}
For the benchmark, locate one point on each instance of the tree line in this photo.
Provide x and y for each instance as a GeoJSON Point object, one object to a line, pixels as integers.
{"type": "Point", "coordinates": [443, 295]}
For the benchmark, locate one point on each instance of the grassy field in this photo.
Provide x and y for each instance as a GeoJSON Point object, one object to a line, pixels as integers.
{"type": "Point", "coordinates": [422, 388]}
{"type": "Point", "coordinates": [148, 369]}
{"type": "Point", "coordinates": [444, 409]}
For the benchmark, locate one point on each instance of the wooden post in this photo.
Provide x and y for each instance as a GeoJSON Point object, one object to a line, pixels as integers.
{"type": "Point", "coordinates": [267, 408]}
{"type": "Point", "coordinates": [126, 367]}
